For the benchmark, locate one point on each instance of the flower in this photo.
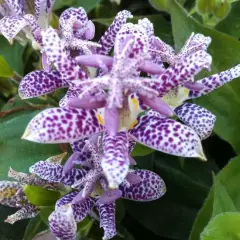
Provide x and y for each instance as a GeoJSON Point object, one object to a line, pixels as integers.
{"type": "Point", "coordinates": [41, 82]}
{"type": "Point", "coordinates": [139, 185]}
{"type": "Point", "coordinates": [21, 15]}
{"type": "Point", "coordinates": [12, 192]}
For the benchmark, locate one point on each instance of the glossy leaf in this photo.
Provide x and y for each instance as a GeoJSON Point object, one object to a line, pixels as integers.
{"type": "Point", "coordinates": [225, 101]}
{"type": "Point", "coordinates": [34, 226]}
{"type": "Point", "coordinates": [5, 69]}
{"type": "Point", "coordinates": [40, 196]}
{"type": "Point", "coordinates": [223, 226]}
{"type": "Point", "coordinates": [14, 151]}
{"type": "Point", "coordinates": [220, 200]}
{"type": "Point", "coordinates": [187, 188]}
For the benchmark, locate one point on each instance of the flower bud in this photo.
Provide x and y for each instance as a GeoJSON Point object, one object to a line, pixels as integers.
{"type": "Point", "coordinates": [161, 5]}
{"type": "Point", "coordinates": [205, 6]}
{"type": "Point", "coordinates": [222, 9]}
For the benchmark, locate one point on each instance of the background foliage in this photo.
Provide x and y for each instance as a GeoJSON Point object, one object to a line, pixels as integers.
{"type": "Point", "coordinates": [202, 199]}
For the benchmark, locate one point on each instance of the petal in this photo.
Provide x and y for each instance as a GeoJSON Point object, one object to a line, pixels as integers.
{"type": "Point", "coordinates": [8, 192]}
{"type": "Point", "coordinates": [195, 43]}
{"type": "Point", "coordinates": [54, 173]}
{"type": "Point", "coordinates": [71, 93]}
{"type": "Point", "coordinates": [70, 163]}
{"type": "Point", "coordinates": [42, 11]}
{"type": "Point", "coordinates": [62, 223]}
{"type": "Point", "coordinates": [111, 118]}
{"type": "Point", "coordinates": [85, 103]}
{"type": "Point", "coordinates": [16, 7]}
{"type": "Point", "coordinates": [94, 60]}
{"type": "Point", "coordinates": [183, 72]}
{"type": "Point", "coordinates": [61, 125]}
{"type": "Point", "coordinates": [168, 136]}
{"type": "Point", "coordinates": [45, 63]}
{"type": "Point", "coordinates": [215, 81]}
{"type": "Point", "coordinates": [133, 178]}
{"type": "Point", "coordinates": [29, 211]}
{"type": "Point", "coordinates": [11, 26]}
{"type": "Point", "coordinates": [61, 59]}
{"type": "Point", "coordinates": [110, 196]}
{"type": "Point", "coordinates": [158, 105]}
{"type": "Point", "coordinates": [108, 39]}
{"type": "Point", "coordinates": [80, 210]}
{"type": "Point", "coordinates": [115, 162]}
{"type": "Point", "coordinates": [198, 118]}
{"type": "Point", "coordinates": [150, 188]}
{"type": "Point", "coordinates": [69, 18]}
{"type": "Point", "coordinates": [39, 83]}
{"type": "Point", "coordinates": [107, 220]}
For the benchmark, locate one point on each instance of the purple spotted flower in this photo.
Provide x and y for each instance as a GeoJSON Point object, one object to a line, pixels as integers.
{"type": "Point", "coordinates": [76, 29]}
{"type": "Point", "coordinates": [198, 118]}
{"type": "Point", "coordinates": [28, 16]}
{"type": "Point", "coordinates": [139, 185]}
{"type": "Point", "coordinates": [12, 192]}
{"type": "Point", "coordinates": [12, 195]}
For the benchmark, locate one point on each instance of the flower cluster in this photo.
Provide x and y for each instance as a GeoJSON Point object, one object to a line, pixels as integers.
{"type": "Point", "coordinates": [131, 98]}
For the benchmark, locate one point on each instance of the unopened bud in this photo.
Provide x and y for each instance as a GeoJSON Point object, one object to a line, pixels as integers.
{"type": "Point", "coordinates": [205, 6]}
{"type": "Point", "coordinates": [161, 5]}
{"type": "Point", "coordinates": [222, 9]}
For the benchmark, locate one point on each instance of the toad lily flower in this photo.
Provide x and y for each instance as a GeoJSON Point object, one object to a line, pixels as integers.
{"type": "Point", "coordinates": [12, 193]}
{"type": "Point", "coordinates": [39, 83]}
{"type": "Point", "coordinates": [198, 118]}
{"type": "Point", "coordinates": [22, 15]}
{"type": "Point", "coordinates": [140, 185]}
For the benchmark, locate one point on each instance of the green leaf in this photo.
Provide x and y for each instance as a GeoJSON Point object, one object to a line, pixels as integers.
{"type": "Point", "coordinates": [161, 5]}
{"type": "Point", "coordinates": [223, 226]}
{"type": "Point", "coordinates": [172, 216]}
{"type": "Point", "coordinates": [222, 200]}
{"type": "Point", "coordinates": [225, 50]}
{"type": "Point", "coordinates": [88, 5]}
{"type": "Point", "coordinates": [41, 196]}
{"type": "Point", "coordinates": [45, 212]}
{"type": "Point", "coordinates": [229, 176]}
{"type": "Point", "coordinates": [13, 54]}
{"type": "Point", "coordinates": [8, 231]}
{"type": "Point", "coordinates": [35, 226]}
{"type": "Point", "coordinates": [5, 69]}
{"type": "Point", "coordinates": [141, 150]}
{"type": "Point", "coordinates": [15, 152]}
{"type": "Point", "coordinates": [231, 24]}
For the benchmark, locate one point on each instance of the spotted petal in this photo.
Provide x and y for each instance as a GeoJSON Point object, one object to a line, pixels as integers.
{"type": "Point", "coordinates": [60, 125]}
{"type": "Point", "coordinates": [108, 39]}
{"type": "Point", "coordinates": [42, 11]}
{"type": "Point", "coordinates": [195, 43]}
{"type": "Point", "coordinates": [39, 83]}
{"type": "Point", "coordinates": [80, 210]}
{"type": "Point", "coordinates": [184, 71]}
{"type": "Point", "coordinates": [71, 20]}
{"type": "Point", "coordinates": [71, 93]}
{"type": "Point", "coordinates": [107, 219]}
{"type": "Point", "coordinates": [215, 81]}
{"type": "Point", "coordinates": [150, 188]}
{"type": "Point", "coordinates": [198, 118]}
{"type": "Point", "coordinates": [11, 26]}
{"type": "Point", "coordinates": [62, 60]}
{"type": "Point", "coordinates": [168, 136]}
{"type": "Point", "coordinates": [54, 173]}
{"type": "Point", "coordinates": [26, 212]}
{"type": "Point", "coordinates": [8, 192]}
{"type": "Point", "coordinates": [115, 162]}
{"type": "Point", "coordinates": [62, 223]}
{"type": "Point", "coordinates": [16, 7]}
